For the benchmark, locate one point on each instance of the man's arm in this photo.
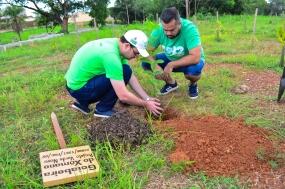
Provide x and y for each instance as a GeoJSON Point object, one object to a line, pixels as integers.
{"type": "Point", "coordinates": [151, 49]}
{"type": "Point", "coordinates": [126, 96]}
{"type": "Point", "coordinates": [193, 58]}
{"type": "Point", "coordinates": [135, 85]}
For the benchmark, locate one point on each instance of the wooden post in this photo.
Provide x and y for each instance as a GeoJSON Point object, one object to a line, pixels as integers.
{"type": "Point", "coordinates": [254, 23]}
{"type": "Point", "coordinates": [67, 164]}
{"type": "Point", "coordinates": [282, 57]}
{"type": "Point", "coordinates": [57, 131]}
{"type": "Point", "coordinates": [217, 14]}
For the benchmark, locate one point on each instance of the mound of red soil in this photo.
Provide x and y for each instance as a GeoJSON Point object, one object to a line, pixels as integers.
{"type": "Point", "coordinates": [219, 146]}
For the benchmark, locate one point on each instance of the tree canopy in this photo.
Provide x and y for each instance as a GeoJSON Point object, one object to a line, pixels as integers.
{"type": "Point", "coordinates": [127, 11]}
{"type": "Point", "coordinates": [98, 10]}
{"type": "Point", "coordinates": [16, 15]}
{"type": "Point", "coordinates": [59, 11]}
{"type": "Point", "coordinates": [142, 9]}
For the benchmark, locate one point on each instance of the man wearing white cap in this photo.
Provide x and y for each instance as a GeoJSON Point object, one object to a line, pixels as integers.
{"type": "Point", "coordinates": [99, 72]}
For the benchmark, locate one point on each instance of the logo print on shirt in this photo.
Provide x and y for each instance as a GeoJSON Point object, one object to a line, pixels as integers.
{"type": "Point", "coordinates": [173, 51]}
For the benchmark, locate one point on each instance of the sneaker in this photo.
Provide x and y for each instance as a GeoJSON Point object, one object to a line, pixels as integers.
{"type": "Point", "coordinates": [104, 114]}
{"type": "Point", "coordinates": [167, 88]}
{"type": "Point", "coordinates": [193, 91]}
{"type": "Point", "coordinates": [81, 108]}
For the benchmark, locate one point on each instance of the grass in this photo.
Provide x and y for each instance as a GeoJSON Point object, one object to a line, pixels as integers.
{"type": "Point", "coordinates": [11, 36]}
{"type": "Point", "coordinates": [32, 86]}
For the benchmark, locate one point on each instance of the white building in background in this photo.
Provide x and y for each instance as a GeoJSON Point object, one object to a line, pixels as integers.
{"type": "Point", "coordinates": [79, 17]}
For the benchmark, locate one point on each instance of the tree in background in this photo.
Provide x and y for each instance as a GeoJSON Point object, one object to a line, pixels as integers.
{"type": "Point", "coordinates": [139, 10]}
{"type": "Point", "coordinates": [45, 21]}
{"type": "Point", "coordinates": [123, 11]}
{"type": "Point", "coordinates": [276, 7]}
{"type": "Point", "coordinates": [98, 10]}
{"type": "Point", "coordinates": [249, 6]}
{"type": "Point", "coordinates": [58, 11]}
{"type": "Point", "coordinates": [17, 15]}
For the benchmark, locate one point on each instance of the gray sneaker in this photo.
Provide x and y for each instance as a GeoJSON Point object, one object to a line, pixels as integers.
{"type": "Point", "coordinates": [104, 114]}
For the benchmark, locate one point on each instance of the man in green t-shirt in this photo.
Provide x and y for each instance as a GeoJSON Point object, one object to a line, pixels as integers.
{"type": "Point", "coordinates": [181, 43]}
{"type": "Point", "coordinates": [99, 72]}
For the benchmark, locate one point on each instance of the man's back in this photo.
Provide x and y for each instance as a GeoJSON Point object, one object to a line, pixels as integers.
{"type": "Point", "coordinates": [95, 58]}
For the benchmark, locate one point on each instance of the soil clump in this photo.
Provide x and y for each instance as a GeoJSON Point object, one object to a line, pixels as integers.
{"type": "Point", "coordinates": [121, 128]}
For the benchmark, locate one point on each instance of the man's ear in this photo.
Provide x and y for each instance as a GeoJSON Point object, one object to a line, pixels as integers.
{"type": "Point", "coordinates": [126, 45]}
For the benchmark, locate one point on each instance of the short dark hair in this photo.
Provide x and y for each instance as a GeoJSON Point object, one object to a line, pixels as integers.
{"type": "Point", "coordinates": [124, 40]}
{"type": "Point", "coordinates": [168, 14]}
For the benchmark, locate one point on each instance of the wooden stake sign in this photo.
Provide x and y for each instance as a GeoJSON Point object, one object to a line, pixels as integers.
{"type": "Point", "coordinates": [67, 164]}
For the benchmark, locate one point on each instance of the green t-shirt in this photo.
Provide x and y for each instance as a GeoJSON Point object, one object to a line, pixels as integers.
{"type": "Point", "coordinates": [176, 48]}
{"type": "Point", "coordinates": [95, 58]}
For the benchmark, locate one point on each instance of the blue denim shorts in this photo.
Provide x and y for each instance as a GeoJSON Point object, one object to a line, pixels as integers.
{"type": "Point", "coordinates": [193, 69]}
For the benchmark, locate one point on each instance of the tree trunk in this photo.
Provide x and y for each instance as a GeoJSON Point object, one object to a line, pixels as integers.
{"type": "Point", "coordinates": [127, 14]}
{"type": "Point", "coordinates": [143, 15]}
{"type": "Point", "coordinates": [64, 25]}
{"type": "Point", "coordinates": [282, 57]}
{"type": "Point", "coordinates": [195, 10]}
{"type": "Point", "coordinates": [19, 34]}
{"type": "Point", "coordinates": [189, 5]}
{"type": "Point", "coordinates": [187, 9]}
{"type": "Point", "coordinates": [17, 28]}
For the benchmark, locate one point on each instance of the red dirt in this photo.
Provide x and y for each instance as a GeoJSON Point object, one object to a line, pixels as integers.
{"type": "Point", "coordinates": [219, 146]}
{"type": "Point", "coordinates": [260, 82]}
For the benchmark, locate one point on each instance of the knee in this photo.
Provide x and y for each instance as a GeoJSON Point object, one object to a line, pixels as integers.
{"type": "Point", "coordinates": [127, 71]}
{"type": "Point", "coordinates": [192, 77]}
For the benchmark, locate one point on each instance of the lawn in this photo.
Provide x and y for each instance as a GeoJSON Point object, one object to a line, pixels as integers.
{"type": "Point", "coordinates": [32, 86]}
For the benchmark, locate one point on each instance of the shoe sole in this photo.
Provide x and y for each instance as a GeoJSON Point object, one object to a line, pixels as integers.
{"type": "Point", "coordinates": [99, 115]}
{"type": "Point", "coordinates": [193, 98]}
{"type": "Point", "coordinates": [173, 89]}
{"type": "Point", "coordinates": [76, 108]}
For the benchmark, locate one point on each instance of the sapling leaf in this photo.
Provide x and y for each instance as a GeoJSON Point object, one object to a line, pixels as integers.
{"type": "Point", "coordinates": [159, 61]}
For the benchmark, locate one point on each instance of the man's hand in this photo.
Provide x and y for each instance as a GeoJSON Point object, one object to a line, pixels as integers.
{"type": "Point", "coordinates": [153, 105]}
{"type": "Point", "coordinates": [160, 74]}
{"type": "Point", "coordinates": [168, 68]}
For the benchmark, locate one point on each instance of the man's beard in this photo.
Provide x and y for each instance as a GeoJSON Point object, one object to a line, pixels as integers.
{"type": "Point", "coordinates": [173, 36]}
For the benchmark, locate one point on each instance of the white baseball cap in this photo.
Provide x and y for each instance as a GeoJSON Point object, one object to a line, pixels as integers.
{"type": "Point", "coordinates": [138, 39]}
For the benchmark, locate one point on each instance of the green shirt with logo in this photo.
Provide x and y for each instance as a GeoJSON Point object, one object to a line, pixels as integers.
{"type": "Point", "coordinates": [95, 58]}
{"type": "Point", "coordinates": [178, 47]}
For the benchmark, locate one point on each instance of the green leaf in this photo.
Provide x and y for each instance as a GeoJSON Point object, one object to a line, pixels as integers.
{"type": "Point", "coordinates": [159, 61]}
